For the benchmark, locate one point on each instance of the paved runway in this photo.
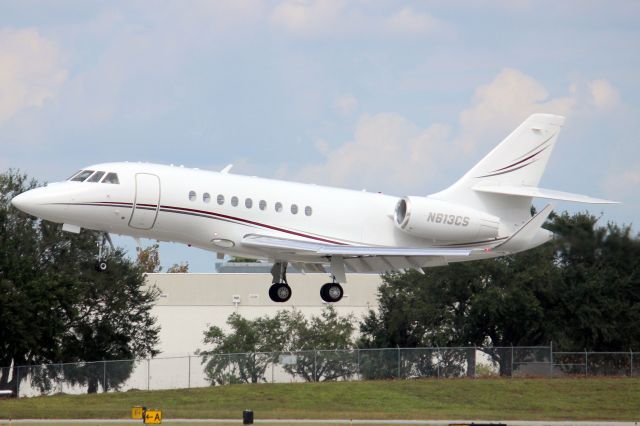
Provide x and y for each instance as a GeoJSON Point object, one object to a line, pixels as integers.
{"type": "Point", "coordinates": [332, 421]}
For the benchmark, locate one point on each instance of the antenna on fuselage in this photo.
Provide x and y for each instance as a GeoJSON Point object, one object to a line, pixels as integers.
{"type": "Point", "coordinates": [226, 169]}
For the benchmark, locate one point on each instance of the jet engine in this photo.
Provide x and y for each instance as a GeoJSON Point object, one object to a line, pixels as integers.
{"type": "Point", "coordinates": [443, 222]}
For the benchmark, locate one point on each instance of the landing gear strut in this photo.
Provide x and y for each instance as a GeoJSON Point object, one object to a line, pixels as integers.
{"type": "Point", "coordinates": [331, 292]}
{"type": "Point", "coordinates": [101, 263]}
{"type": "Point", "coordinates": [280, 291]}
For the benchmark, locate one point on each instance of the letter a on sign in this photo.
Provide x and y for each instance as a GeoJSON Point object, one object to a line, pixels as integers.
{"type": "Point", "coordinates": [153, 417]}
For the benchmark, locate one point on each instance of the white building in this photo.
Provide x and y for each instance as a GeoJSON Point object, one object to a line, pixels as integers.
{"type": "Point", "coordinates": [190, 303]}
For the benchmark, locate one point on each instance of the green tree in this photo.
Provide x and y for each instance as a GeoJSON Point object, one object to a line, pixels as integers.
{"type": "Point", "coordinates": [237, 259]}
{"type": "Point", "coordinates": [325, 343]}
{"type": "Point", "coordinates": [54, 307]}
{"type": "Point", "coordinates": [149, 258]}
{"type": "Point", "coordinates": [579, 291]}
{"type": "Point", "coordinates": [242, 355]}
{"type": "Point", "coordinates": [596, 304]}
{"type": "Point", "coordinates": [181, 268]}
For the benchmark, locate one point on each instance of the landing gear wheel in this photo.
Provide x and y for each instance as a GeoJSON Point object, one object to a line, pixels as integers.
{"type": "Point", "coordinates": [331, 292]}
{"type": "Point", "coordinates": [101, 266]}
{"type": "Point", "coordinates": [280, 292]}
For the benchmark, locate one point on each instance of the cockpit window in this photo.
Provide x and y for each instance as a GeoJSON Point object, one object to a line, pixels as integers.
{"type": "Point", "coordinates": [96, 177]}
{"type": "Point", "coordinates": [74, 174]}
{"type": "Point", "coordinates": [80, 177]}
{"type": "Point", "coordinates": [111, 178]}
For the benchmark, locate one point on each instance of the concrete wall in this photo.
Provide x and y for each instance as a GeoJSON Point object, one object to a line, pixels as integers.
{"type": "Point", "coordinates": [190, 303]}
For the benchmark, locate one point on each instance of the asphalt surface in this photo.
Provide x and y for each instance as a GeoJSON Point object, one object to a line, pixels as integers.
{"type": "Point", "coordinates": [331, 421]}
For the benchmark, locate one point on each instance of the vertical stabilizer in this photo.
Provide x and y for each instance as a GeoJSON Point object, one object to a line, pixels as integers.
{"type": "Point", "coordinates": [519, 160]}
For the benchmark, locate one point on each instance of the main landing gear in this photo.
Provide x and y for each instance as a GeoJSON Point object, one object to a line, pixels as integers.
{"type": "Point", "coordinates": [281, 292]}
{"type": "Point", "coordinates": [331, 292]}
{"type": "Point", "coordinates": [101, 263]}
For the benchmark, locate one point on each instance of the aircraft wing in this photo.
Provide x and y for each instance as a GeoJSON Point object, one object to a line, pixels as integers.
{"type": "Point", "coordinates": [358, 258]}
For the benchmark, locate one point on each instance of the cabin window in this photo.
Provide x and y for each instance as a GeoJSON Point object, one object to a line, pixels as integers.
{"type": "Point", "coordinates": [294, 208]}
{"type": "Point", "coordinates": [206, 197]}
{"type": "Point", "coordinates": [278, 207]}
{"type": "Point", "coordinates": [262, 204]}
{"type": "Point", "coordinates": [80, 177]}
{"type": "Point", "coordinates": [192, 195]}
{"type": "Point", "coordinates": [234, 201]}
{"type": "Point", "coordinates": [111, 178]}
{"type": "Point", "coordinates": [308, 211]}
{"type": "Point", "coordinates": [220, 199]}
{"type": "Point", "coordinates": [248, 203]}
{"type": "Point", "coordinates": [96, 177]}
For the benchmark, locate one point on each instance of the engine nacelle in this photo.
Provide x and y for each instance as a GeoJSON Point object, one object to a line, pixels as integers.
{"type": "Point", "coordinates": [442, 222]}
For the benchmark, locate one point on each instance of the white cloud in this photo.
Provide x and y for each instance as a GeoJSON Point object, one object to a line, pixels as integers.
{"type": "Point", "coordinates": [503, 104]}
{"type": "Point", "coordinates": [388, 150]}
{"type": "Point", "coordinates": [328, 18]}
{"type": "Point", "coordinates": [31, 71]}
{"type": "Point", "coordinates": [603, 94]}
{"type": "Point", "coordinates": [409, 22]}
{"type": "Point", "coordinates": [308, 17]}
{"type": "Point", "coordinates": [346, 105]}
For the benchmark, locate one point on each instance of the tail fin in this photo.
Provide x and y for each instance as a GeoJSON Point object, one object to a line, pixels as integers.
{"type": "Point", "coordinates": [519, 160]}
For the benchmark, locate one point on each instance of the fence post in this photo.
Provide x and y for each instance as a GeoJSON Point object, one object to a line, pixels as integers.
{"type": "Point", "coordinates": [315, 365]}
{"type": "Point", "coordinates": [17, 381]}
{"type": "Point", "coordinates": [104, 376]}
{"type": "Point", "coordinates": [631, 362]}
{"type": "Point", "coordinates": [398, 360]}
{"type": "Point", "coordinates": [273, 363]}
{"type": "Point", "coordinates": [551, 359]}
{"type": "Point", "coordinates": [475, 361]}
{"type": "Point", "coordinates": [586, 363]}
{"type": "Point", "coordinates": [189, 372]}
{"type": "Point", "coordinates": [511, 369]}
{"type": "Point", "coordinates": [60, 381]}
{"type": "Point", "coordinates": [439, 359]}
{"type": "Point", "coordinates": [358, 350]}
{"type": "Point", "coordinates": [148, 373]}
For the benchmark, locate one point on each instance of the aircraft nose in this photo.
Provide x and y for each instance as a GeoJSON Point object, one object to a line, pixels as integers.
{"type": "Point", "coordinates": [28, 201]}
{"type": "Point", "coordinates": [20, 201]}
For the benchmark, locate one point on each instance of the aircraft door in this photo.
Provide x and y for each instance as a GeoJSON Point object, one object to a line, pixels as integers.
{"type": "Point", "coordinates": [147, 202]}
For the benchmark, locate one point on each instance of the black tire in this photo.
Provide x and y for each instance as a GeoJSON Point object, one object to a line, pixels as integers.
{"type": "Point", "coordinates": [280, 292]}
{"type": "Point", "coordinates": [101, 266]}
{"type": "Point", "coordinates": [331, 292]}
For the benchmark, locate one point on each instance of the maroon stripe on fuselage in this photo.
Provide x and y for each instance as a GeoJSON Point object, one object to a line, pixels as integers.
{"type": "Point", "coordinates": [251, 222]}
{"type": "Point", "coordinates": [175, 209]}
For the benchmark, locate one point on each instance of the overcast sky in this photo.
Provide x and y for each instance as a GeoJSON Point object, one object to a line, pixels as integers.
{"type": "Point", "coordinates": [399, 97]}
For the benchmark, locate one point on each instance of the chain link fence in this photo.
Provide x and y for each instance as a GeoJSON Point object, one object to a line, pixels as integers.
{"type": "Point", "coordinates": [313, 366]}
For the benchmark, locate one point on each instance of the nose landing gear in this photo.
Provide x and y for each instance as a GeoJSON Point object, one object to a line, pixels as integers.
{"type": "Point", "coordinates": [101, 263]}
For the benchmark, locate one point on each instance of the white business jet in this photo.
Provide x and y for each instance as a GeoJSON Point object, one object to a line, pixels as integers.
{"type": "Point", "coordinates": [485, 214]}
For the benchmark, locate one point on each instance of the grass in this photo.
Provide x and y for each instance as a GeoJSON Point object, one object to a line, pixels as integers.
{"type": "Point", "coordinates": [521, 399]}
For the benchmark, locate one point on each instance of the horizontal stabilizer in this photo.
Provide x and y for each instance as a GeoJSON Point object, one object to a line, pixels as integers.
{"type": "Point", "coordinates": [532, 191]}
